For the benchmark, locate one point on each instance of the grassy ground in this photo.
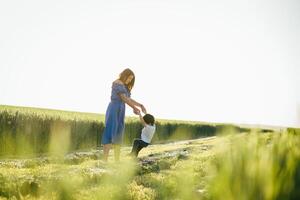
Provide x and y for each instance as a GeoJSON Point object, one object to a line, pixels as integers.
{"type": "Point", "coordinates": [82, 175]}
{"type": "Point", "coordinates": [244, 166]}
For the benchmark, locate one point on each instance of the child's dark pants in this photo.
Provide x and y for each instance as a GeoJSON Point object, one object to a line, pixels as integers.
{"type": "Point", "coordinates": [138, 144]}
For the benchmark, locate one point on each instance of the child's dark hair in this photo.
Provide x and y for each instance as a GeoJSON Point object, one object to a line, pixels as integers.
{"type": "Point", "coordinates": [149, 119]}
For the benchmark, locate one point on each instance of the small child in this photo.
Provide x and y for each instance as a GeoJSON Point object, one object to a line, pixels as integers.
{"type": "Point", "coordinates": [146, 135]}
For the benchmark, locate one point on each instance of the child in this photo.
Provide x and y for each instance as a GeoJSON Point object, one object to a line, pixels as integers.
{"type": "Point", "coordinates": [146, 135]}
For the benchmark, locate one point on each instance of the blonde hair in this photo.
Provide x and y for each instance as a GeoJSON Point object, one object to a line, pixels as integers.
{"type": "Point", "coordinates": [123, 77]}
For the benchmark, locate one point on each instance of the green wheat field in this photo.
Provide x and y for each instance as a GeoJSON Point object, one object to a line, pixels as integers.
{"type": "Point", "coordinates": [50, 154]}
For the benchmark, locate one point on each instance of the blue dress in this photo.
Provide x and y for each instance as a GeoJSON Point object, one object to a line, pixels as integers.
{"type": "Point", "coordinates": [115, 115]}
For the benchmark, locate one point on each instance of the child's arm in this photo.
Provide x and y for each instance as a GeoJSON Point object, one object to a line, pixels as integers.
{"type": "Point", "coordinates": [142, 120]}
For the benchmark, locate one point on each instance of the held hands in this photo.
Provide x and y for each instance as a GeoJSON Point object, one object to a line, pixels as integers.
{"type": "Point", "coordinates": [143, 109]}
{"type": "Point", "coordinates": [136, 111]}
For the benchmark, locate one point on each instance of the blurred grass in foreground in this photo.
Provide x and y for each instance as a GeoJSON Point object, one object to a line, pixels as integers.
{"type": "Point", "coordinates": [241, 166]}
{"type": "Point", "coordinates": [256, 166]}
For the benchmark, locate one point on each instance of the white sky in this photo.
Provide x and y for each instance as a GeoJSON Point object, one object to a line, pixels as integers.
{"type": "Point", "coordinates": [215, 61]}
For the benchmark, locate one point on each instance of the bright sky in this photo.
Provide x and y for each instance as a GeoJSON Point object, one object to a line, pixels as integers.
{"type": "Point", "coordinates": [216, 61]}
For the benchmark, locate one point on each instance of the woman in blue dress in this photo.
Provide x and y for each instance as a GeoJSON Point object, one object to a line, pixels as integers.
{"type": "Point", "coordinates": [115, 113]}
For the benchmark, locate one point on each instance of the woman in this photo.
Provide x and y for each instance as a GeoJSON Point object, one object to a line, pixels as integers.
{"type": "Point", "coordinates": [115, 113]}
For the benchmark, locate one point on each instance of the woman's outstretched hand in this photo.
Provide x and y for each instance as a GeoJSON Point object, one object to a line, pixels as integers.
{"type": "Point", "coordinates": [143, 109]}
{"type": "Point", "coordinates": [136, 111]}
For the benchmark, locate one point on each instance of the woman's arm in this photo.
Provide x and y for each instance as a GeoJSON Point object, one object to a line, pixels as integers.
{"type": "Point", "coordinates": [139, 105]}
{"type": "Point", "coordinates": [132, 103]}
{"type": "Point", "coordinates": [129, 102]}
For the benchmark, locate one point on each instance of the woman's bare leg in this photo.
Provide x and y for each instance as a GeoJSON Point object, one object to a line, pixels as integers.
{"type": "Point", "coordinates": [106, 148]}
{"type": "Point", "coordinates": [117, 149]}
